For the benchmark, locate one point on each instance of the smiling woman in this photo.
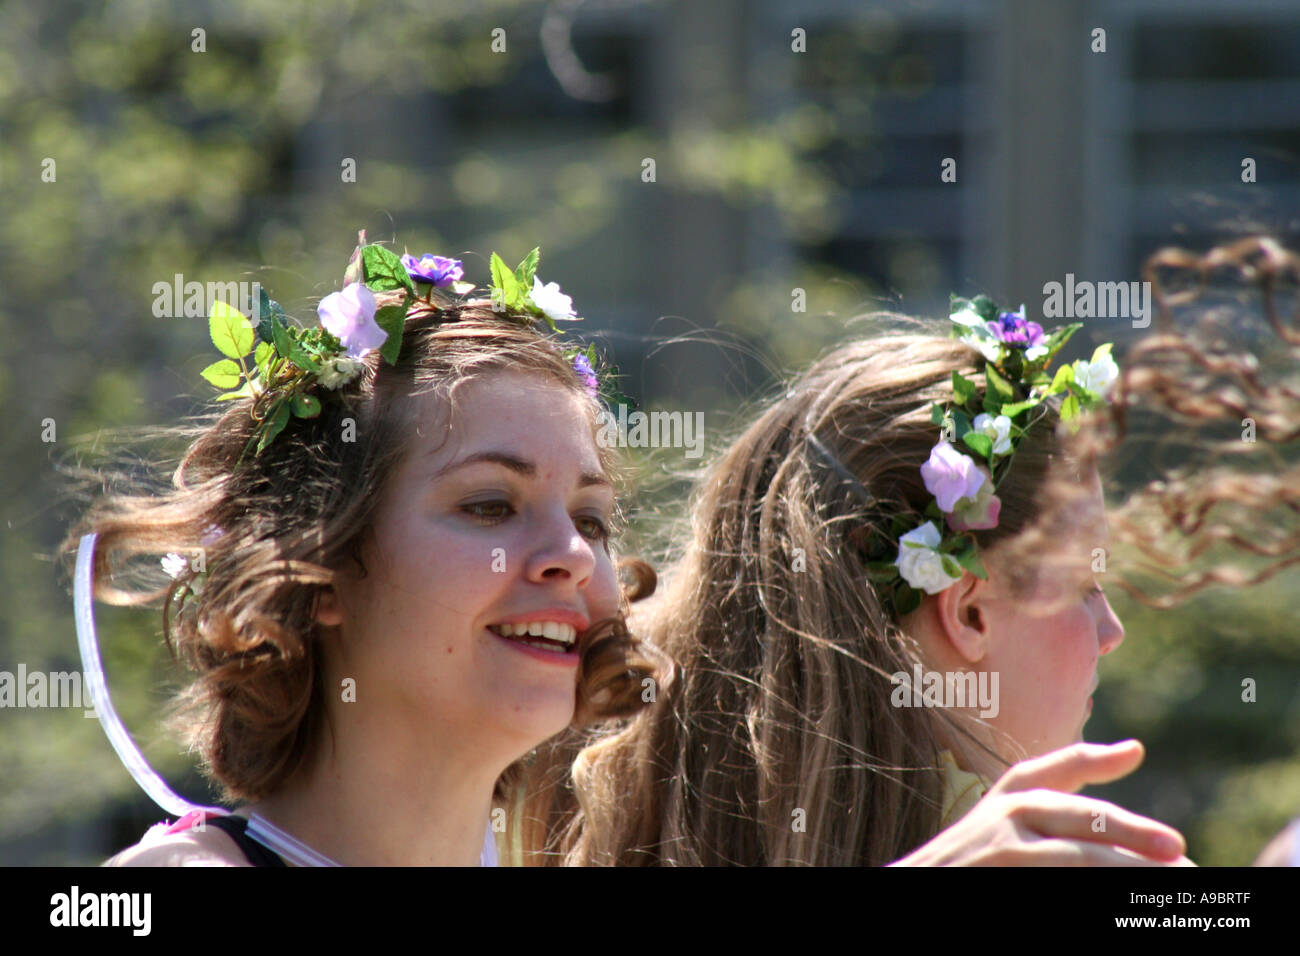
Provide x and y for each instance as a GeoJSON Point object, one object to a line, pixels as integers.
{"type": "Point", "coordinates": [395, 601]}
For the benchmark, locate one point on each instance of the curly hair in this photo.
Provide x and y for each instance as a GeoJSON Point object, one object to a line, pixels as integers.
{"type": "Point", "coordinates": [1223, 399]}
{"type": "Point", "coordinates": [270, 533]}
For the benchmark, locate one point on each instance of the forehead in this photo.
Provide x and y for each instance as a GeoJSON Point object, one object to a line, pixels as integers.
{"type": "Point", "coordinates": [520, 415]}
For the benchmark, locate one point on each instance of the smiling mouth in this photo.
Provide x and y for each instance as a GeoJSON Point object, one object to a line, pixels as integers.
{"type": "Point", "coordinates": [545, 635]}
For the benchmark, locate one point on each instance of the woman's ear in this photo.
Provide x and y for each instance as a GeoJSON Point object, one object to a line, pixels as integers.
{"type": "Point", "coordinates": [326, 609]}
{"type": "Point", "coordinates": [962, 613]}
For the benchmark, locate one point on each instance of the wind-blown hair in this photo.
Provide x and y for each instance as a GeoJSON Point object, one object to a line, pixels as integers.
{"type": "Point", "coordinates": [273, 532]}
{"type": "Point", "coordinates": [1222, 397]}
{"type": "Point", "coordinates": [777, 743]}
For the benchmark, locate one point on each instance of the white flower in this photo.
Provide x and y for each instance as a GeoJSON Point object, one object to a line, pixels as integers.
{"type": "Point", "coordinates": [338, 371]}
{"type": "Point", "coordinates": [552, 301]}
{"type": "Point", "coordinates": [997, 429]}
{"type": "Point", "coordinates": [174, 565]}
{"type": "Point", "coordinates": [968, 317]}
{"type": "Point", "coordinates": [1035, 352]}
{"type": "Point", "coordinates": [919, 563]}
{"type": "Point", "coordinates": [1097, 376]}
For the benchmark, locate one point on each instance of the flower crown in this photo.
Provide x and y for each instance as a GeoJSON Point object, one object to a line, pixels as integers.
{"type": "Point", "coordinates": [978, 443]}
{"type": "Point", "coordinates": [290, 364]}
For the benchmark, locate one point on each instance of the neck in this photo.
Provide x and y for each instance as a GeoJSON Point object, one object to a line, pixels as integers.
{"type": "Point", "coordinates": [375, 802]}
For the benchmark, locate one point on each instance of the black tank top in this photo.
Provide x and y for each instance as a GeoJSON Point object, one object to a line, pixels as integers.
{"type": "Point", "coordinates": [234, 826]}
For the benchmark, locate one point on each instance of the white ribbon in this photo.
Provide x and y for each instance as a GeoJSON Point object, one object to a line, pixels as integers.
{"type": "Point", "coordinates": [127, 751]}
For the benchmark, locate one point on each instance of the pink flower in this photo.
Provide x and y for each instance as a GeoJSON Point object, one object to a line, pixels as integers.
{"type": "Point", "coordinates": [350, 316]}
{"type": "Point", "coordinates": [973, 514]}
{"type": "Point", "coordinates": [951, 476]}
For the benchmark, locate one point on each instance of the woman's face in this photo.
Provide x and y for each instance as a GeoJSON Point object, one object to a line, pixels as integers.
{"type": "Point", "coordinates": [488, 526]}
{"type": "Point", "coordinates": [1044, 645]}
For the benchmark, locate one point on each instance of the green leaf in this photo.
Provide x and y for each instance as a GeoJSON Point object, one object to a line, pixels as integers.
{"type": "Point", "coordinates": [1056, 341]}
{"type": "Point", "coordinates": [996, 388]}
{"type": "Point", "coordinates": [525, 271]}
{"type": "Point", "coordinates": [963, 388]}
{"type": "Point", "coordinates": [936, 414]}
{"type": "Point", "coordinates": [306, 406]}
{"type": "Point", "coordinates": [985, 306]}
{"type": "Point", "coordinates": [1015, 408]}
{"type": "Point", "coordinates": [244, 392]}
{"type": "Point", "coordinates": [282, 339]}
{"type": "Point", "coordinates": [268, 311]}
{"type": "Point", "coordinates": [302, 358]}
{"type": "Point", "coordinates": [1069, 408]}
{"type": "Point", "coordinates": [950, 565]}
{"type": "Point", "coordinates": [882, 571]}
{"type": "Point", "coordinates": [392, 319]}
{"type": "Point", "coordinates": [223, 373]}
{"type": "Point", "coordinates": [979, 443]}
{"type": "Point", "coordinates": [505, 287]}
{"type": "Point", "coordinates": [275, 421]}
{"type": "Point", "coordinates": [906, 599]}
{"type": "Point", "coordinates": [1061, 380]}
{"type": "Point", "coordinates": [262, 354]}
{"type": "Point", "coordinates": [961, 425]}
{"type": "Point", "coordinates": [384, 270]}
{"type": "Point", "coordinates": [970, 560]}
{"type": "Point", "coordinates": [230, 330]}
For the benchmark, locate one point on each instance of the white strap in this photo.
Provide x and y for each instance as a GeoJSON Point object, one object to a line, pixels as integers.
{"type": "Point", "coordinates": [289, 847]}
{"type": "Point", "coordinates": [127, 751]}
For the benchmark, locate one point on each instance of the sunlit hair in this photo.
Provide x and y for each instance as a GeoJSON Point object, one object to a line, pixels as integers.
{"type": "Point", "coordinates": [293, 517]}
{"type": "Point", "coordinates": [1211, 399]}
{"type": "Point", "coordinates": [778, 743]}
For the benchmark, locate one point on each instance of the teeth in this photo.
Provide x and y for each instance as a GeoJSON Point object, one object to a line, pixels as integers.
{"type": "Point", "coordinates": [553, 630]}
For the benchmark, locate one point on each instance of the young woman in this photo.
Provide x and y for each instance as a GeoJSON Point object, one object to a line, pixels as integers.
{"type": "Point", "coordinates": [404, 590]}
{"type": "Point", "coordinates": [796, 731]}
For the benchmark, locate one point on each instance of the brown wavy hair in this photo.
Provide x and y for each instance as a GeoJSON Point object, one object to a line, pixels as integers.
{"type": "Point", "coordinates": [1213, 388]}
{"type": "Point", "coordinates": [288, 519]}
{"type": "Point", "coordinates": [780, 711]}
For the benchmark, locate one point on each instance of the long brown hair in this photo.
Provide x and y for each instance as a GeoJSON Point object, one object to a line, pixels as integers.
{"type": "Point", "coordinates": [275, 529]}
{"type": "Point", "coordinates": [778, 743]}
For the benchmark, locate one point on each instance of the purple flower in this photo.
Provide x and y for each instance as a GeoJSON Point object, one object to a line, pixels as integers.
{"type": "Point", "coordinates": [951, 476]}
{"type": "Point", "coordinates": [435, 269]}
{"type": "Point", "coordinates": [350, 316]}
{"type": "Point", "coordinates": [588, 375]}
{"type": "Point", "coordinates": [1011, 328]}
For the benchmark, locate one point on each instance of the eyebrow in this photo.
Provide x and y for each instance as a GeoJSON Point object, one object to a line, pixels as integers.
{"type": "Point", "coordinates": [519, 466]}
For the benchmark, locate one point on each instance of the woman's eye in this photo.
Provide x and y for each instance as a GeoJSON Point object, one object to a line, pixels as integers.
{"type": "Point", "coordinates": [592, 528]}
{"type": "Point", "coordinates": [489, 512]}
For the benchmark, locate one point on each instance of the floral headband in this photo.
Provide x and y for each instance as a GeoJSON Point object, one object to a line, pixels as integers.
{"type": "Point", "coordinates": [978, 443]}
{"type": "Point", "coordinates": [290, 364]}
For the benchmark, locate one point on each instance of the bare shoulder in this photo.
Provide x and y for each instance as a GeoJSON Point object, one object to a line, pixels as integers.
{"type": "Point", "coordinates": [207, 847]}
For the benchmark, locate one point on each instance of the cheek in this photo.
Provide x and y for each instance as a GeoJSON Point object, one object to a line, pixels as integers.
{"type": "Point", "coordinates": [603, 592]}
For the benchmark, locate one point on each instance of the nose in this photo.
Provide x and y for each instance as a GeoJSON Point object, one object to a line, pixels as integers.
{"type": "Point", "coordinates": [559, 552]}
{"type": "Point", "coordinates": [1110, 632]}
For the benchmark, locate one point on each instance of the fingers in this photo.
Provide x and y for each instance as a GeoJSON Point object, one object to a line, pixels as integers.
{"type": "Point", "coordinates": [1072, 768]}
{"type": "Point", "coordinates": [1062, 816]}
{"type": "Point", "coordinates": [1076, 853]}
